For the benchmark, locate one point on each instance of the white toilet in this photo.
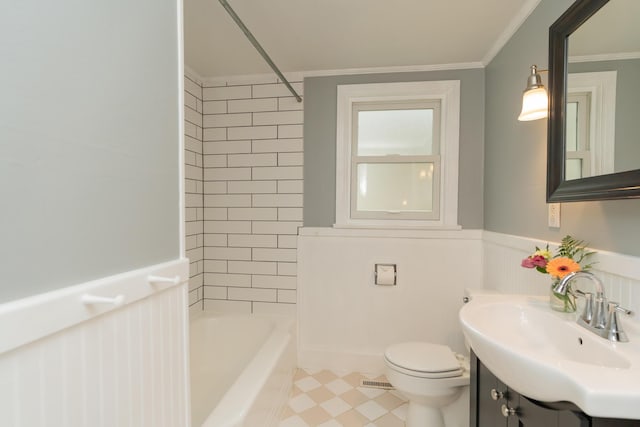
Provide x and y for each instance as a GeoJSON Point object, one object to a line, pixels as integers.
{"type": "Point", "coordinates": [430, 376]}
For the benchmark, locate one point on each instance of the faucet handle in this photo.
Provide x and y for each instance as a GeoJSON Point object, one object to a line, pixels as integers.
{"type": "Point", "coordinates": [614, 330]}
{"type": "Point", "coordinates": [587, 313]}
{"type": "Point", "coordinates": [599, 320]}
{"type": "Point", "coordinates": [622, 309]}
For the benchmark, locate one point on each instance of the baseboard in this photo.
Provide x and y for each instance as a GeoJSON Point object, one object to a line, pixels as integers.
{"type": "Point", "coordinates": [341, 361]}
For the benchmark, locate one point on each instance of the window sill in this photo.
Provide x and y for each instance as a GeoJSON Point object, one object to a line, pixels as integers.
{"type": "Point", "coordinates": [388, 232]}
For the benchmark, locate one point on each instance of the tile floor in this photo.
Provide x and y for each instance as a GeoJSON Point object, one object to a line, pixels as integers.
{"type": "Point", "coordinates": [331, 399]}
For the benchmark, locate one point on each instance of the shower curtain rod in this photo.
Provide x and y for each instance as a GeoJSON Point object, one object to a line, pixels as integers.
{"type": "Point", "coordinates": [259, 48]}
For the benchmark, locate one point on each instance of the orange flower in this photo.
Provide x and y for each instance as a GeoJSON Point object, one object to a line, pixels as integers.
{"type": "Point", "coordinates": [560, 267]}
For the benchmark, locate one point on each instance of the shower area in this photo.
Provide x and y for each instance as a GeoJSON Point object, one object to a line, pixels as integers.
{"type": "Point", "coordinates": [243, 193]}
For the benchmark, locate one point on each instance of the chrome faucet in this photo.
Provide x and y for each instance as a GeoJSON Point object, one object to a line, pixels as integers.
{"type": "Point", "coordinates": [594, 316]}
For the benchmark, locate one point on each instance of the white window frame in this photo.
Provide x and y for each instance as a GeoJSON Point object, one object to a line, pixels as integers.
{"type": "Point", "coordinates": [583, 150]}
{"type": "Point", "coordinates": [448, 93]}
{"type": "Point", "coordinates": [433, 159]}
{"type": "Point", "coordinates": [602, 118]}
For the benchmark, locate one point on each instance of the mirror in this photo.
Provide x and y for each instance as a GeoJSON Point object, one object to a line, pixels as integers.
{"type": "Point", "coordinates": [593, 134]}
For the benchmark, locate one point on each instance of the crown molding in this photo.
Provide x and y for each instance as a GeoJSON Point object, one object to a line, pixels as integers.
{"type": "Point", "coordinates": [527, 8]}
{"type": "Point", "coordinates": [301, 75]}
{"type": "Point", "coordinates": [604, 57]}
{"type": "Point", "coordinates": [394, 69]}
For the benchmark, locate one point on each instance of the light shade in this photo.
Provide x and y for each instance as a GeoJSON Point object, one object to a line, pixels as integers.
{"type": "Point", "coordinates": [534, 105]}
{"type": "Point", "coordinates": [535, 101]}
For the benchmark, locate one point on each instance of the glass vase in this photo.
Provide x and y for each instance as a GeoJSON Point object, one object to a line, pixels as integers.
{"type": "Point", "coordinates": [564, 303]}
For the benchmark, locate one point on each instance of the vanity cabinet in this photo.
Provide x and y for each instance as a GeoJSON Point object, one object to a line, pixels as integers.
{"type": "Point", "coordinates": [494, 404]}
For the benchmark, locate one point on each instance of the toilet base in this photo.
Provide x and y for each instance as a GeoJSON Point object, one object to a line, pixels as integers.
{"type": "Point", "coordinates": [419, 415]}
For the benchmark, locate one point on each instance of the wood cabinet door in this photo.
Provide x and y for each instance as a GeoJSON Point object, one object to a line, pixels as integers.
{"type": "Point", "coordinates": [488, 412]}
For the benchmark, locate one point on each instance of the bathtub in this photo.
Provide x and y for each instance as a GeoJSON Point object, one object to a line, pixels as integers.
{"type": "Point", "coordinates": [242, 369]}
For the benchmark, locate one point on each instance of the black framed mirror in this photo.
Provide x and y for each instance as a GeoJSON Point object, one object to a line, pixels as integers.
{"type": "Point", "coordinates": [564, 184]}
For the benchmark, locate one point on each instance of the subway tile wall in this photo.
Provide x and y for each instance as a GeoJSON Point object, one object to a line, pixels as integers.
{"type": "Point", "coordinates": [252, 194]}
{"type": "Point", "coordinates": [194, 211]}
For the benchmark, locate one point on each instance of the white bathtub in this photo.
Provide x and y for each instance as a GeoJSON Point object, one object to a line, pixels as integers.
{"type": "Point", "coordinates": [241, 369]}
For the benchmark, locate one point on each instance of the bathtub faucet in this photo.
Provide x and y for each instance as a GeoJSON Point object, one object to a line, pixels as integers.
{"type": "Point", "coordinates": [594, 317]}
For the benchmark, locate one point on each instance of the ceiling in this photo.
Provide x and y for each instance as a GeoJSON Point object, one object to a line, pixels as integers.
{"type": "Point", "coordinates": [613, 30]}
{"type": "Point", "coordinates": [315, 35]}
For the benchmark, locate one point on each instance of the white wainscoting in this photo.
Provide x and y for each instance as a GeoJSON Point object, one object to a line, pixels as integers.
{"type": "Point", "coordinates": [75, 365]}
{"type": "Point", "coordinates": [502, 271]}
{"type": "Point", "coordinates": [345, 322]}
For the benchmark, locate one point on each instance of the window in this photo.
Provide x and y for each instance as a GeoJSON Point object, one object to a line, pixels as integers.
{"type": "Point", "coordinates": [578, 156]}
{"type": "Point", "coordinates": [397, 155]}
{"type": "Point", "coordinates": [395, 160]}
{"type": "Point", "coordinates": [590, 133]}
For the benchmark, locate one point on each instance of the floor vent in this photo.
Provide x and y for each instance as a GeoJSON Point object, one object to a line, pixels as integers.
{"type": "Point", "coordinates": [376, 384]}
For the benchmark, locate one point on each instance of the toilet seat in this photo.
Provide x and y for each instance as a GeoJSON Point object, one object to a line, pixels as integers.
{"type": "Point", "coordinates": [423, 360]}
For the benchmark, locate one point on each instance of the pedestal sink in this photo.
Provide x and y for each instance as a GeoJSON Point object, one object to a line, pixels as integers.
{"type": "Point", "coordinates": [546, 356]}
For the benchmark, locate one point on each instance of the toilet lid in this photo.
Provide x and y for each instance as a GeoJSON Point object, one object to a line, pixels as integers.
{"type": "Point", "coordinates": [424, 359]}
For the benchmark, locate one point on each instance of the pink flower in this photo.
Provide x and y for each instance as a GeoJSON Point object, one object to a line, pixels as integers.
{"type": "Point", "coordinates": [528, 263]}
{"type": "Point", "coordinates": [534, 261]}
{"type": "Point", "coordinates": [539, 261]}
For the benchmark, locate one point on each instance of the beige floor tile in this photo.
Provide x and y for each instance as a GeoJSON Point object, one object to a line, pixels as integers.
{"type": "Point", "coordinates": [352, 418]}
{"type": "Point", "coordinates": [300, 373]}
{"type": "Point", "coordinates": [287, 412]}
{"type": "Point", "coordinates": [368, 375]}
{"type": "Point", "coordinates": [389, 401]}
{"type": "Point", "coordinates": [381, 378]}
{"type": "Point", "coordinates": [353, 379]}
{"type": "Point", "coordinates": [325, 377]}
{"type": "Point", "coordinates": [294, 421]}
{"type": "Point", "coordinates": [332, 399]}
{"type": "Point", "coordinates": [338, 386]}
{"type": "Point", "coordinates": [295, 391]}
{"type": "Point", "coordinates": [320, 395]}
{"type": "Point", "coordinates": [396, 393]}
{"type": "Point", "coordinates": [315, 416]}
{"type": "Point", "coordinates": [371, 392]}
{"type": "Point", "coordinates": [354, 397]}
{"type": "Point", "coordinates": [389, 420]}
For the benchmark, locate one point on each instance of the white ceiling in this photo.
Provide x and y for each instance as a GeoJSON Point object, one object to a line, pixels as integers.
{"type": "Point", "coordinates": [313, 35]}
{"type": "Point", "coordinates": [612, 31]}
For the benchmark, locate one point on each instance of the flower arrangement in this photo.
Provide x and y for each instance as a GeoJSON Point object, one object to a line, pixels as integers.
{"type": "Point", "coordinates": [572, 255]}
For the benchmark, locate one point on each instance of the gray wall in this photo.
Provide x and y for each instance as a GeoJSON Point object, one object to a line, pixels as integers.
{"type": "Point", "coordinates": [320, 142]}
{"type": "Point", "coordinates": [515, 154]}
{"type": "Point", "coordinates": [627, 151]}
{"type": "Point", "coordinates": [88, 141]}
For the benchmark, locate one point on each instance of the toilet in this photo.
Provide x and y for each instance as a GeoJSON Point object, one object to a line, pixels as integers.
{"type": "Point", "coordinates": [430, 376]}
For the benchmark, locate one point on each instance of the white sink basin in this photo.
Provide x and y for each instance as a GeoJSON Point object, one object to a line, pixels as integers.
{"type": "Point", "coordinates": [545, 355]}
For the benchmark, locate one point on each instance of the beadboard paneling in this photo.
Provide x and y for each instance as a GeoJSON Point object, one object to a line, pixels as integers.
{"type": "Point", "coordinates": [502, 271]}
{"type": "Point", "coordinates": [127, 367]}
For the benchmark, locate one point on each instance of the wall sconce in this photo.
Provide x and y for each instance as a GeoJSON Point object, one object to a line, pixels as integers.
{"type": "Point", "coordinates": [535, 101]}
